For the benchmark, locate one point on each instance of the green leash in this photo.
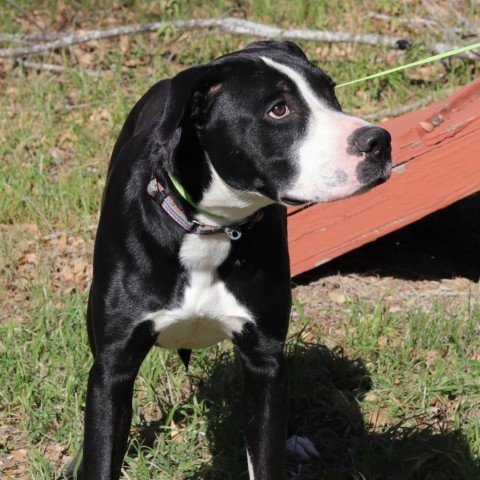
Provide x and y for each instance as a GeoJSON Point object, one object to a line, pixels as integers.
{"type": "Point", "coordinates": [413, 64]}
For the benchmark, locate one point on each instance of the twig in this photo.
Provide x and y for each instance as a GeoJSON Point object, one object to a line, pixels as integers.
{"type": "Point", "coordinates": [445, 47]}
{"type": "Point", "coordinates": [12, 38]}
{"type": "Point", "coordinates": [232, 26]}
{"type": "Point", "coordinates": [468, 30]}
{"type": "Point", "coordinates": [33, 37]}
{"type": "Point", "coordinates": [28, 38]}
{"type": "Point", "coordinates": [441, 13]}
{"type": "Point", "coordinates": [76, 106]}
{"type": "Point", "coordinates": [58, 233]}
{"type": "Point", "coordinates": [419, 21]}
{"type": "Point", "coordinates": [52, 68]}
{"type": "Point", "coordinates": [39, 66]}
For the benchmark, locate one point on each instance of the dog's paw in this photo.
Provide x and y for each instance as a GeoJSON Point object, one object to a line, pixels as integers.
{"type": "Point", "coordinates": [301, 450]}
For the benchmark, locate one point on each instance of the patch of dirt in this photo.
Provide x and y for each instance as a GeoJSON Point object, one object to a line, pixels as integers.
{"type": "Point", "coordinates": [333, 293]}
{"type": "Point", "coordinates": [61, 260]}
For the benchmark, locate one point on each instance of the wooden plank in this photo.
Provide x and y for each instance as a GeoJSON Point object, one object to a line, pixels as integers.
{"type": "Point", "coordinates": [432, 170]}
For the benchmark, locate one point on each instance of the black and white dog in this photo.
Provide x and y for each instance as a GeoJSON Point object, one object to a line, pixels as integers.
{"type": "Point", "coordinates": [191, 247]}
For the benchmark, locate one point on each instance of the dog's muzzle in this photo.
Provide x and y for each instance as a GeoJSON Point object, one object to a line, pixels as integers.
{"type": "Point", "coordinates": [374, 145]}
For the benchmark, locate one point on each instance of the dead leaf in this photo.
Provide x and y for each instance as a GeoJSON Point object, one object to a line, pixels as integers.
{"type": "Point", "coordinates": [62, 240]}
{"type": "Point", "coordinates": [29, 258]}
{"type": "Point", "coordinates": [175, 433]}
{"type": "Point", "coordinates": [395, 309]}
{"type": "Point", "coordinates": [76, 241]}
{"type": "Point", "coordinates": [432, 357]}
{"type": "Point", "coordinates": [370, 397]}
{"type": "Point", "coordinates": [379, 418]}
{"type": "Point", "coordinates": [124, 45]}
{"type": "Point", "coordinates": [337, 297]}
{"type": "Point", "coordinates": [66, 273]}
{"type": "Point", "coordinates": [85, 58]}
{"type": "Point", "coordinates": [382, 340]}
{"type": "Point", "coordinates": [19, 455]}
{"type": "Point", "coordinates": [427, 126]}
{"type": "Point", "coordinates": [79, 266]}
{"type": "Point", "coordinates": [105, 115]}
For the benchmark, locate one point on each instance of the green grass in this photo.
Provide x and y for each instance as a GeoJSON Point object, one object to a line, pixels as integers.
{"type": "Point", "coordinates": [188, 426]}
{"type": "Point", "coordinates": [416, 369]}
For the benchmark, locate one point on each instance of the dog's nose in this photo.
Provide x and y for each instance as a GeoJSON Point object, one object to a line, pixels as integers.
{"type": "Point", "coordinates": [374, 142]}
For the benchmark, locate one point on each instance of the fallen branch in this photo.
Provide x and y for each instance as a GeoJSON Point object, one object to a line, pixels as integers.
{"type": "Point", "coordinates": [12, 38]}
{"type": "Point", "coordinates": [232, 26]}
{"type": "Point", "coordinates": [29, 38]}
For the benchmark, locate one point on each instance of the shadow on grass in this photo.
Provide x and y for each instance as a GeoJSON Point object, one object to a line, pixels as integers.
{"type": "Point", "coordinates": [326, 390]}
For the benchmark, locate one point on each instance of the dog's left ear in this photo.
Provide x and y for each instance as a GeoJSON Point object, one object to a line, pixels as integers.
{"type": "Point", "coordinates": [182, 88]}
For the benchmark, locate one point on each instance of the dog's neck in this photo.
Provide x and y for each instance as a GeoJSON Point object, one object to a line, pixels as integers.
{"type": "Point", "coordinates": [233, 205]}
{"type": "Point", "coordinates": [211, 193]}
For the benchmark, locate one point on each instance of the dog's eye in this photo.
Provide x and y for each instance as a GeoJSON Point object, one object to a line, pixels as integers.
{"type": "Point", "coordinates": [280, 110]}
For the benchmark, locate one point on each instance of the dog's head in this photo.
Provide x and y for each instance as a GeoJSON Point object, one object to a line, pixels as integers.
{"type": "Point", "coordinates": [271, 125]}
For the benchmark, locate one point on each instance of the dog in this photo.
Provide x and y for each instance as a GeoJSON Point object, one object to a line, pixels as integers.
{"type": "Point", "coordinates": [191, 247]}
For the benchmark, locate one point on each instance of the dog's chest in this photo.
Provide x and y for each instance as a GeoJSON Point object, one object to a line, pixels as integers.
{"type": "Point", "coordinates": [207, 312]}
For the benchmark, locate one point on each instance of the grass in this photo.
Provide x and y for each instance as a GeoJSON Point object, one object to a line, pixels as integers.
{"type": "Point", "coordinates": [395, 397]}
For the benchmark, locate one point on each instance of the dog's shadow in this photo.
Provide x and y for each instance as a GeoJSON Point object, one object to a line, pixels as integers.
{"type": "Point", "coordinates": [327, 389]}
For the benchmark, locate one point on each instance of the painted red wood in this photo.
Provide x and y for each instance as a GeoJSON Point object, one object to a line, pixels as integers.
{"type": "Point", "coordinates": [432, 170]}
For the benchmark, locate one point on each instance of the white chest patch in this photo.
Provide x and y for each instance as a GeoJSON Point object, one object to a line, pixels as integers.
{"type": "Point", "coordinates": [208, 312]}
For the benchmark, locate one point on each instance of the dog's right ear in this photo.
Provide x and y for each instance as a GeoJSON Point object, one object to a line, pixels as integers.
{"type": "Point", "coordinates": [287, 45]}
{"type": "Point", "coordinates": [182, 88]}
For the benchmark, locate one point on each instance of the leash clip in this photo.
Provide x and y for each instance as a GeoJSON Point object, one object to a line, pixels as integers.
{"type": "Point", "coordinates": [195, 226]}
{"type": "Point", "coordinates": [233, 233]}
{"type": "Point", "coordinates": [157, 192]}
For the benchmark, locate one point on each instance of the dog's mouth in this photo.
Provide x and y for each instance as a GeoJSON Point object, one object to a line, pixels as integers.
{"type": "Point", "coordinates": [376, 178]}
{"type": "Point", "coordinates": [374, 183]}
{"type": "Point", "coordinates": [293, 202]}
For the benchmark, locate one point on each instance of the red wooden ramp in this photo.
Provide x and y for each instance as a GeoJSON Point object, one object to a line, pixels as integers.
{"type": "Point", "coordinates": [436, 153]}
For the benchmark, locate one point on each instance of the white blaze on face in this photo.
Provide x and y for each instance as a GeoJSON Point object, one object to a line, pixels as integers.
{"type": "Point", "coordinates": [326, 171]}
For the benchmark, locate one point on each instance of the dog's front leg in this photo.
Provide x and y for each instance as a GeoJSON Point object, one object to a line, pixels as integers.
{"type": "Point", "coordinates": [108, 410]}
{"type": "Point", "coordinates": [265, 404]}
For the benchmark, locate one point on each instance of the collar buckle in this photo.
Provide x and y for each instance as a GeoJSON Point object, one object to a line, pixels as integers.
{"type": "Point", "coordinates": [233, 233]}
{"type": "Point", "coordinates": [156, 191]}
{"type": "Point", "coordinates": [195, 227]}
